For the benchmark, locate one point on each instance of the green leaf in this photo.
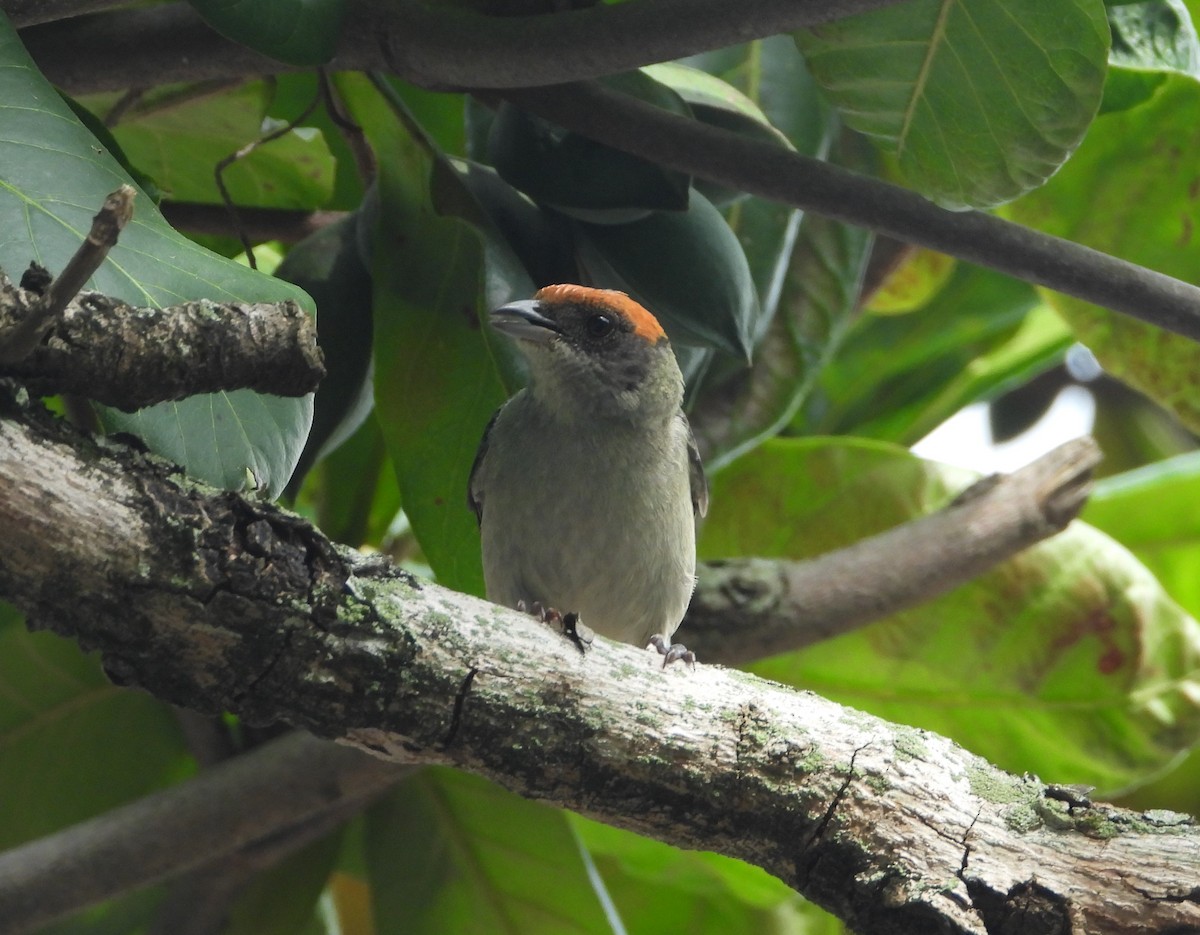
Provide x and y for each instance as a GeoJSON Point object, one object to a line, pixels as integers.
{"type": "Point", "coordinates": [292, 93]}
{"type": "Point", "coordinates": [237, 441]}
{"type": "Point", "coordinates": [539, 239]}
{"type": "Point", "coordinates": [56, 176]}
{"type": "Point", "coordinates": [353, 492]}
{"type": "Point", "coordinates": [1157, 35]}
{"type": "Point", "coordinates": [436, 383]}
{"type": "Point", "coordinates": [1148, 40]}
{"type": "Point", "coordinates": [1068, 660]}
{"type": "Point", "coordinates": [668, 891]}
{"type": "Point", "coordinates": [327, 266]}
{"type": "Point", "coordinates": [72, 744]}
{"type": "Point", "coordinates": [282, 899]}
{"type": "Point", "coordinates": [133, 912]}
{"type": "Point", "coordinates": [719, 104]}
{"type": "Point", "coordinates": [580, 177]}
{"type": "Point", "coordinates": [449, 852]}
{"type": "Point", "coordinates": [1132, 190]}
{"type": "Point", "coordinates": [1152, 512]}
{"type": "Point", "coordinates": [979, 100]}
{"type": "Point", "coordinates": [686, 267]}
{"type": "Point", "coordinates": [300, 32]}
{"type": "Point", "coordinates": [898, 376]}
{"type": "Point", "coordinates": [772, 74]}
{"type": "Point", "coordinates": [179, 135]}
{"type": "Point", "coordinates": [918, 277]}
{"type": "Point", "coordinates": [740, 409]}
{"type": "Point", "coordinates": [809, 300]}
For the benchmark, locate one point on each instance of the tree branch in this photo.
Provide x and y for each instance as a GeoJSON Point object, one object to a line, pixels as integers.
{"type": "Point", "coordinates": [199, 901]}
{"type": "Point", "coordinates": [780, 606]}
{"type": "Point", "coordinates": [435, 46]}
{"type": "Point", "coordinates": [256, 224]}
{"type": "Point", "coordinates": [246, 800]}
{"type": "Point", "coordinates": [170, 43]}
{"type": "Point", "coordinates": [105, 350]}
{"type": "Point", "coordinates": [784, 176]}
{"type": "Point", "coordinates": [21, 336]}
{"type": "Point", "coordinates": [214, 602]}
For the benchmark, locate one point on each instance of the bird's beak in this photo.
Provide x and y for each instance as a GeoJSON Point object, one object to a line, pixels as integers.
{"type": "Point", "coordinates": [522, 320]}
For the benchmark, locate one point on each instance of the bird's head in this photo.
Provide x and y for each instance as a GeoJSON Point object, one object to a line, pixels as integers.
{"type": "Point", "coordinates": [595, 351]}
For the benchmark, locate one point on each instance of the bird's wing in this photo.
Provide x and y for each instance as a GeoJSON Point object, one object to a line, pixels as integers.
{"type": "Point", "coordinates": [698, 481]}
{"type": "Point", "coordinates": [474, 488]}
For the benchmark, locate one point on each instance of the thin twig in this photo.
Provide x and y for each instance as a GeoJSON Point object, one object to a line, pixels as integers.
{"type": "Point", "coordinates": [242, 153]}
{"type": "Point", "coordinates": [352, 133]}
{"type": "Point", "coordinates": [106, 227]}
{"type": "Point", "coordinates": [129, 357]}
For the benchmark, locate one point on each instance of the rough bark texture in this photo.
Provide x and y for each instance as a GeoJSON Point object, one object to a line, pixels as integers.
{"type": "Point", "coordinates": [129, 357]}
{"type": "Point", "coordinates": [215, 603]}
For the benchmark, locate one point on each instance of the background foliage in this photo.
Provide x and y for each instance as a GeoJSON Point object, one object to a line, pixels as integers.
{"type": "Point", "coordinates": [1077, 661]}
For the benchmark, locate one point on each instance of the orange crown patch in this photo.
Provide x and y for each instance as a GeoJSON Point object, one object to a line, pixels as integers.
{"type": "Point", "coordinates": [644, 324]}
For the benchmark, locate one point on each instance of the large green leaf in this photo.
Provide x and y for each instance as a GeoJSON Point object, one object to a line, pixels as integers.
{"type": "Point", "coordinates": [663, 890]}
{"type": "Point", "coordinates": [687, 267]}
{"type": "Point", "coordinates": [718, 103]}
{"type": "Point", "coordinates": [178, 136]}
{"type": "Point", "coordinates": [328, 266]}
{"type": "Point", "coordinates": [1154, 511]}
{"type": "Point", "coordinates": [898, 376]}
{"type": "Point", "coordinates": [771, 75]}
{"type": "Point", "coordinates": [1068, 660]}
{"type": "Point", "coordinates": [436, 382]}
{"type": "Point", "coordinates": [53, 177]}
{"type": "Point", "coordinates": [979, 100]}
{"type": "Point", "coordinates": [1131, 190]}
{"type": "Point", "coordinates": [1148, 40]}
{"type": "Point", "coordinates": [579, 176]}
{"type": "Point", "coordinates": [449, 852]}
{"type": "Point", "coordinates": [72, 744]}
{"type": "Point", "coordinates": [819, 295]}
{"type": "Point", "coordinates": [300, 32]}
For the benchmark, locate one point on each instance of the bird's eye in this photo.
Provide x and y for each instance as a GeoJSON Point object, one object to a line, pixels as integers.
{"type": "Point", "coordinates": [599, 325]}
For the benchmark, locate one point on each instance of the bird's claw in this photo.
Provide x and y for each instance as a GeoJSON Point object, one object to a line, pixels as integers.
{"type": "Point", "coordinates": [671, 652]}
{"type": "Point", "coordinates": [575, 631]}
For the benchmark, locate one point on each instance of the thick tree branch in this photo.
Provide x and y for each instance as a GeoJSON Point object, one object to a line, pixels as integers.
{"type": "Point", "coordinates": [779, 606]}
{"type": "Point", "coordinates": [216, 603]}
{"type": "Point", "coordinates": [435, 46]}
{"type": "Point", "coordinates": [781, 175]}
{"type": "Point", "coordinates": [283, 787]}
{"type": "Point", "coordinates": [102, 349]}
{"type": "Point", "coordinates": [199, 902]}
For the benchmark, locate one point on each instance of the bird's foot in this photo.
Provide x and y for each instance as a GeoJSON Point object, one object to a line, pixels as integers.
{"type": "Point", "coordinates": [672, 651]}
{"type": "Point", "coordinates": [575, 631]}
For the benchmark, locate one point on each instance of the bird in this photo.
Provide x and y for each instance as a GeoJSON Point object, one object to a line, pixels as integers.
{"type": "Point", "coordinates": [588, 484]}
